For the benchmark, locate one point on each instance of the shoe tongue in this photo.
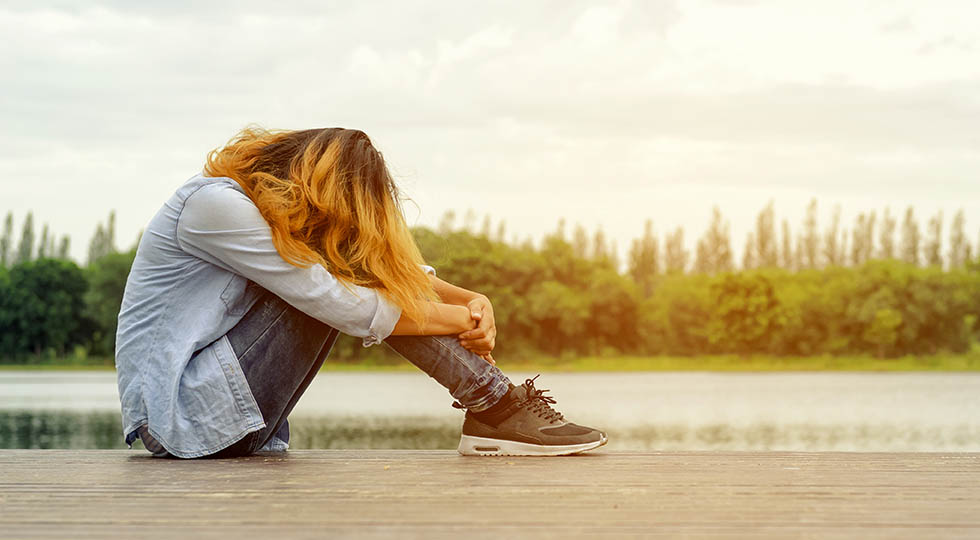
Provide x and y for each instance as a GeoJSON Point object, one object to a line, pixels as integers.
{"type": "Point", "coordinates": [518, 393]}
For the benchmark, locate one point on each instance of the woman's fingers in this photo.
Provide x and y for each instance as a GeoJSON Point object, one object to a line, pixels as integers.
{"type": "Point", "coordinates": [481, 326]}
{"type": "Point", "coordinates": [482, 343]}
{"type": "Point", "coordinates": [480, 349]}
{"type": "Point", "coordinates": [476, 333]}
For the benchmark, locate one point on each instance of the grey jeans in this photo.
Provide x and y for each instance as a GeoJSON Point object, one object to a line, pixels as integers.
{"type": "Point", "coordinates": [281, 349]}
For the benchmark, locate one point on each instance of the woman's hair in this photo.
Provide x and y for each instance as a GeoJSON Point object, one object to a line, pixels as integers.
{"type": "Point", "coordinates": [329, 199]}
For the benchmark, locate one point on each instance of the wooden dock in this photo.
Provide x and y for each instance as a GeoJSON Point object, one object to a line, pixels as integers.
{"type": "Point", "coordinates": [439, 494]}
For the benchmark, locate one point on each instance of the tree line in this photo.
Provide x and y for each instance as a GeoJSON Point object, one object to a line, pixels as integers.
{"type": "Point", "coordinates": [49, 305]}
{"type": "Point", "coordinates": [879, 288]}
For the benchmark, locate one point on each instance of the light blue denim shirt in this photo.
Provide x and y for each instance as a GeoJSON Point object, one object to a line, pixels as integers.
{"type": "Point", "coordinates": [192, 280]}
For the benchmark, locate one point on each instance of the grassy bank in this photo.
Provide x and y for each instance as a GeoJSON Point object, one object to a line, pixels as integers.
{"type": "Point", "coordinates": [961, 362]}
{"type": "Point", "coordinates": [945, 362]}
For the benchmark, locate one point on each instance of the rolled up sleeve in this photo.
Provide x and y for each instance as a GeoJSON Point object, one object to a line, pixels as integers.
{"type": "Point", "coordinates": [383, 323]}
{"type": "Point", "coordinates": [221, 225]}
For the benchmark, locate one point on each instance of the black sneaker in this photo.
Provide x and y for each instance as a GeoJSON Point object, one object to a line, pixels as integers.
{"type": "Point", "coordinates": [528, 426]}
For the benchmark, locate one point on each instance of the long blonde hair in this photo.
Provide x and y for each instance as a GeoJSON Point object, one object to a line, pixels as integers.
{"type": "Point", "coordinates": [329, 199]}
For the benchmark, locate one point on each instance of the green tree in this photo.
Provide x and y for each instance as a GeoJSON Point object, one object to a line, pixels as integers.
{"type": "Point", "coordinates": [675, 254]}
{"type": "Point", "coordinates": [485, 229]}
{"type": "Point", "coordinates": [104, 240]}
{"type": "Point", "coordinates": [933, 247]}
{"type": "Point", "coordinates": [602, 252]}
{"type": "Point", "coordinates": [809, 241]}
{"type": "Point", "coordinates": [672, 320]}
{"type": "Point", "coordinates": [833, 250]}
{"type": "Point", "coordinates": [64, 248]}
{"type": "Point", "coordinates": [886, 238]}
{"type": "Point", "coordinates": [9, 338]}
{"type": "Point", "coordinates": [862, 239]}
{"type": "Point", "coordinates": [44, 307]}
{"type": "Point", "coordinates": [7, 240]}
{"type": "Point", "coordinates": [447, 222]}
{"type": "Point", "coordinates": [714, 251]}
{"type": "Point", "coordinates": [612, 321]}
{"type": "Point", "coordinates": [883, 330]}
{"type": "Point", "coordinates": [745, 312]}
{"type": "Point", "coordinates": [42, 246]}
{"type": "Point", "coordinates": [580, 241]}
{"type": "Point", "coordinates": [501, 235]}
{"type": "Point", "coordinates": [106, 283]}
{"type": "Point", "coordinates": [959, 246]}
{"type": "Point", "coordinates": [559, 313]}
{"type": "Point", "coordinates": [910, 238]}
{"type": "Point", "coordinates": [644, 260]}
{"type": "Point", "coordinates": [749, 252]}
{"type": "Point", "coordinates": [766, 252]}
{"type": "Point", "coordinates": [25, 249]}
{"type": "Point", "coordinates": [787, 257]}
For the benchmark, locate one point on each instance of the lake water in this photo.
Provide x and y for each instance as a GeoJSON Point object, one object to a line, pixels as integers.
{"type": "Point", "coordinates": [640, 411]}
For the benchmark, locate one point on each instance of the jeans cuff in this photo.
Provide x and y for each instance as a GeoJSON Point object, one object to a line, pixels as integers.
{"type": "Point", "coordinates": [498, 389]}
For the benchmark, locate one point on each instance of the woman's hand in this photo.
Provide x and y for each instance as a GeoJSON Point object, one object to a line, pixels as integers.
{"type": "Point", "coordinates": [441, 320]}
{"type": "Point", "coordinates": [481, 339]}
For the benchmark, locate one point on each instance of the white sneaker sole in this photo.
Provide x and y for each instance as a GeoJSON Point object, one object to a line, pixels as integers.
{"type": "Point", "coordinates": [482, 446]}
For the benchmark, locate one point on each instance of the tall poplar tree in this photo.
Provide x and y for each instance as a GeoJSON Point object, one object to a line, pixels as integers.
{"type": "Point", "coordinates": [958, 244]}
{"type": "Point", "coordinates": [580, 241]}
{"type": "Point", "coordinates": [886, 238]}
{"type": "Point", "coordinates": [7, 240]}
{"type": "Point", "coordinates": [934, 242]}
{"type": "Point", "coordinates": [714, 251]}
{"type": "Point", "coordinates": [862, 239]}
{"type": "Point", "coordinates": [446, 222]}
{"type": "Point", "coordinates": [843, 247]}
{"type": "Point", "coordinates": [601, 251]}
{"type": "Point", "coordinates": [788, 259]}
{"type": "Point", "coordinates": [42, 246]}
{"type": "Point", "coordinates": [868, 237]}
{"type": "Point", "coordinates": [809, 246]}
{"type": "Point", "coordinates": [766, 254]}
{"type": "Point", "coordinates": [469, 221]}
{"type": "Point", "coordinates": [486, 227]}
{"type": "Point", "coordinates": [104, 241]}
{"type": "Point", "coordinates": [748, 253]}
{"type": "Point", "coordinates": [64, 248]}
{"type": "Point", "coordinates": [911, 238]}
{"type": "Point", "coordinates": [96, 246]}
{"type": "Point", "coordinates": [675, 256]}
{"type": "Point", "coordinates": [833, 250]}
{"type": "Point", "coordinates": [644, 259]}
{"type": "Point", "coordinates": [25, 249]}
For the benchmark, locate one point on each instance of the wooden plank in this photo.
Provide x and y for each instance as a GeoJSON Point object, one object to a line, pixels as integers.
{"type": "Point", "coordinates": [439, 494]}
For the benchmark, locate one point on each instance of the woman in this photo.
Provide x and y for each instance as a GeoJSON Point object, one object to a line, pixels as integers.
{"type": "Point", "coordinates": [244, 278]}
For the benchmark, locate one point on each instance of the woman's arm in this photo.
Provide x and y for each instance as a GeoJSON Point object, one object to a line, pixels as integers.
{"type": "Point", "coordinates": [222, 226]}
{"type": "Point", "coordinates": [451, 294]}
{"type": "Point", "coordinates": [443, 319]}
{"type": "Point", "coordinates": [482, 337]}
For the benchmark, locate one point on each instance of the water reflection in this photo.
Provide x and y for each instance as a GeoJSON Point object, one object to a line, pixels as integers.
{"type": "Point", "coordinates": [59, 429]}
{"type": "Point", "coordinates": [67, 429]}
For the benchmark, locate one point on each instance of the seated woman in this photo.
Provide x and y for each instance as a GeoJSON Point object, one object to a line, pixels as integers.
{"type": "Point", "coordinates": [246, 275]}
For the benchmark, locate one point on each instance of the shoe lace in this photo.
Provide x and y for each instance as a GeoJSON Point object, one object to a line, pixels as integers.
{"type": "Point", "coordinates": [538, 403]}
{"type": "Point", "coordinates": [535, 401]}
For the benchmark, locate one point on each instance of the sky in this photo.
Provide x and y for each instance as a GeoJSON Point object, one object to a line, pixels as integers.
{"type": "Point", "coordinates": [604, 114]}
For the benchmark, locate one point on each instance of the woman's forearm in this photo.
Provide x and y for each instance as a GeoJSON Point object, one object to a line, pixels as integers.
{"type": "Point", "coordinates": [442, 319]}
{"type": "Point", "coordinates": [451, 294]}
